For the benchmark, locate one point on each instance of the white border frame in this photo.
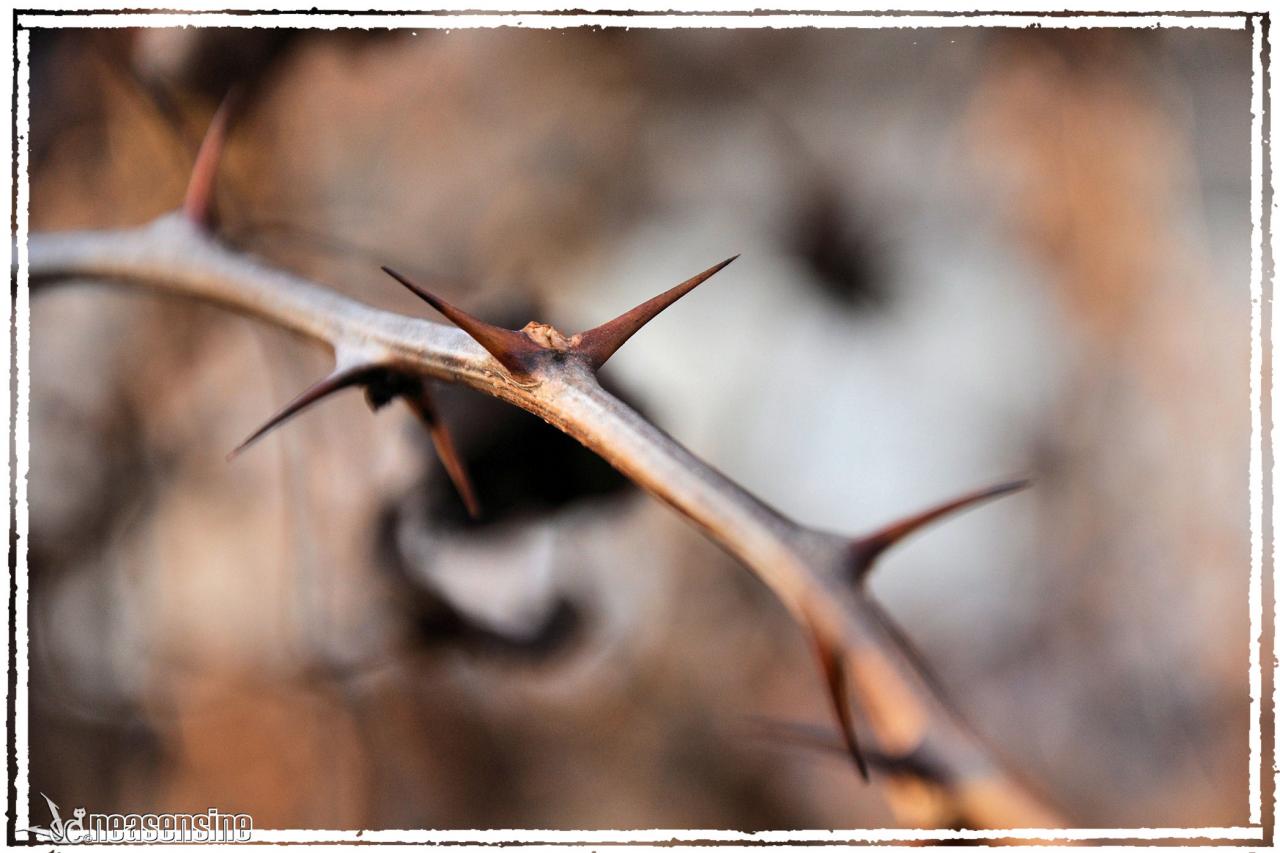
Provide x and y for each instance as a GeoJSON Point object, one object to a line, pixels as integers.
{"type": "Point", "coordinates": [22, 448]}
{"type": "Point", "coordinates": [461, 14]}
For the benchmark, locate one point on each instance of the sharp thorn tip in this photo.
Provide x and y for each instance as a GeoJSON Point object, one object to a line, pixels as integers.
{"type": "Point", "coordinates": [600, 343]}
{"type": "Point", "coordinates": [833, 669]}
{"type": "Point", "coordinates": [332, 383]}
{"type": "Point", "coordinates": [197, 203]}
{"type": "Point", "coordinates": [421, 401]}
{"type": "Point", "coordinates": [867, 549]}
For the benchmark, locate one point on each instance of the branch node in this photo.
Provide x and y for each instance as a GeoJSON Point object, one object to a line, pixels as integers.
{"type": "Point", "coordinates": [520, 352]}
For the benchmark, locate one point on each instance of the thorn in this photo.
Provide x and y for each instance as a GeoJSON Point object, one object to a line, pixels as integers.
{"type": "Point", "coordinates": [806, 735]}
{"type": "Point", "coordinates": [382, 384]}
{"type": "Point", "coordinates": [598, 344]}
{"type": "Point", "coordinates": [197, 205]}
{"type": "Point", "coordinates": [818, 738]}
{"type": "Point", "coordinates": [832, 660]}
{"type": "Point", "coordinates": [512, 349]}
{"type": "Point", "coordinates": [336, 381]}
{"type": "Point", "coordinates": [867, 549]}
{"type": "Point", "coordinates": [423, 405]}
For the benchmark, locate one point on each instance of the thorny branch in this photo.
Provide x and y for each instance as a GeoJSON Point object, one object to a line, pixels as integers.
{"type": "Point", "coordinates": [917, 738]}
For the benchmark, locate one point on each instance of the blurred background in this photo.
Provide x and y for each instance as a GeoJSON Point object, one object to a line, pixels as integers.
{"type": "Point", "coordinates": [968, 255]}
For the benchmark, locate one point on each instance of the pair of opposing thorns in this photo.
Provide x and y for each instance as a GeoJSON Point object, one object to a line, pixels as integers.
{"type": "Point", "coordinates": [521, 353]}
{"type": "Point", "coordinates": [524, 354]}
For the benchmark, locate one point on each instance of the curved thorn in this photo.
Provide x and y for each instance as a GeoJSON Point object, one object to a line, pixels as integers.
{"type": "Point", "coordinates": [832, 660]}
{"type": "Point", "coordinates": [197, 204]}
{"type": "Point", "coordinates": [336, 381]}
{"type": "Point", "coordinates": [600, 343]}
{"type": "Point", "coordinates": [422, 404]}
{"type": "Point", "coordinates": [867, 549]}
{"type": "Point", "coordinates": [512, 349]}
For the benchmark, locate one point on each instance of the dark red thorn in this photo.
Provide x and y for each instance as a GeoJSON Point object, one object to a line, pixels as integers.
{"type": "Point", "coordinates": [197, 205]}
{"type": "Point", "coordinates": [513, 350]}
{"type": "Point", "coordinates": [598, 344]}
{"type": "Point", "coordinates": [867, 549]}
{"type": "Point", "coordinates": [336, 381]}
{"type": "Point", "coordinates": [422, 404]}
{"type": "Point", "coordinates": [832, 660]}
